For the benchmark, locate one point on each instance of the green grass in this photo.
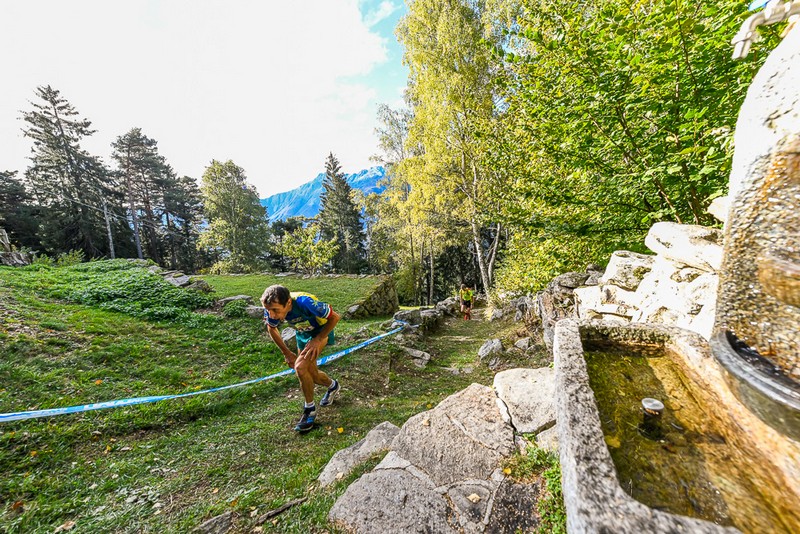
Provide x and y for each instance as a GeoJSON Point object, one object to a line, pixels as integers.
{"type": "Point", "coordinates": [339, 292]}
{"type": "Point", "coordinates": [538, 464]}
{"type": "Point", "coordinates": [166, 467]}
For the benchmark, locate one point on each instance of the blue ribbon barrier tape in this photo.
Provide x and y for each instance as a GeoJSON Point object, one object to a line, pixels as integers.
{"type": "Point", "coordinates": [34, 414]}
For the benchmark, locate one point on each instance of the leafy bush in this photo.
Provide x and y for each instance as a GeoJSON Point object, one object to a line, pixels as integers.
{"type": "Point", "coordinates": [236, 308]}
{"type": "Point", "coordinates": [122, 286]}
{"type": "Point", "coordinates": [73, 257]}
{"type": "Point", "coordinates": [42, 261]}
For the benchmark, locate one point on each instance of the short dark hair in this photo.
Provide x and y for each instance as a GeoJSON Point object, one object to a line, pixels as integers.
{"type": "Point", "coordinates": [274, 294]}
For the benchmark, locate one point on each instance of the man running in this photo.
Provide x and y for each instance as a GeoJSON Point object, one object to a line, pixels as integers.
{"type": "Point", "coordinates": [314, 321]}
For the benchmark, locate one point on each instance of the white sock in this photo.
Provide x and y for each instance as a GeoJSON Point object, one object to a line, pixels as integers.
{"type": "Point", "coordinates": [309, 404]}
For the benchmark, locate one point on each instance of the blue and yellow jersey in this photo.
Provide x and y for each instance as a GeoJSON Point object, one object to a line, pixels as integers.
{"type": "Point", "coordinates": [307, 315]}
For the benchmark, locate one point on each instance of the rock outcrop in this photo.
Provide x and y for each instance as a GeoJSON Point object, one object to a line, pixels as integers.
{"type": "Point", "coordinates": [443, 470]}
{"type": "Point", "coordinates": [382, 301]}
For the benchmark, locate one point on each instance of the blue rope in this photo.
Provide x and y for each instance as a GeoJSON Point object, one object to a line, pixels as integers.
{"type": "Point", "coordinates": [757, 4]}
{"type": "Point", "coordinates": [33, 414]}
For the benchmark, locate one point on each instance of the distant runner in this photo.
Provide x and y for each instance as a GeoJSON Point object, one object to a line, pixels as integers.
{"type": "Point", "coordinates": [314, 321]}
{"type": "Point", "coordinates": [465, 296]}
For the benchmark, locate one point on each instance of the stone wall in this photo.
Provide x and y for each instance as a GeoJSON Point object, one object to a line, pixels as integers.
{"type": "Point", "coordinates": [382, 301]}
{"type": "Point", "coordinates": [677, 285]}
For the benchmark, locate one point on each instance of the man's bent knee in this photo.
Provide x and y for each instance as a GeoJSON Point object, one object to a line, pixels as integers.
{"type": "Point", "coordinates": [304, 367]}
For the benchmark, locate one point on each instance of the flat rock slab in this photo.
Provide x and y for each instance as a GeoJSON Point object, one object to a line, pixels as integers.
{"type": "Point", "coordinates": [443, 474]}
{"type": "Point", "coordinates": [391, 500]}
{"type": "Point", "coordinates": [528, 395]}
{"type": "Point", "coordinates": [344, 461]}
{"type": "Point", "coordinates": [464, 437]}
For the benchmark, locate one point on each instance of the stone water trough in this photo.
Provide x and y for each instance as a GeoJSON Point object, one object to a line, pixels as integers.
{"type": "Point", "coordinates": [711, 465]}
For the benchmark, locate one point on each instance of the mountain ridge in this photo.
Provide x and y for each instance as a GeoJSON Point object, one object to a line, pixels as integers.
{"type": "Point", "coordinates": [303, 201]}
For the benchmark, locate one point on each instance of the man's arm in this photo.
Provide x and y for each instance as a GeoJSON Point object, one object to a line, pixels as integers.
{"type": "Point", "coordinates": [288, 356]}
{"type": "Point", "coordinates": [312, 349]}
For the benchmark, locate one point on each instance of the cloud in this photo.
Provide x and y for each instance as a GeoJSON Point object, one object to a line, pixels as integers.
{"type": "Point", "coordinates": [381, 13]}
{"type": "Point", "coordinates": [274, 86]}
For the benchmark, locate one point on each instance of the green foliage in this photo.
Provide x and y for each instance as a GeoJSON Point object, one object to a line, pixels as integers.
{"type": "Point", "coordinates": [67, 259]}
{"type": "Point", "coordinates": [616, 115]}
{"type": "Point", "coordinates": [340, 219]}
{"type": "Point", "coordinates": [236, 308]}
{"type": "Point", "coordinates": [165, 211]}
{"type": "Point", "coordinates": [441, 189]}
{"type": "Point", "coordinates": [535, 463]}
{"type": "Point", "coordinates": [17, 211]}
{"type": "Point", "coordinates": [122, 286]}
{"type": "Point", "coordinates": [307, 250]}
{"type": "Point", "coordinates": [69, 183]}
{"type": "Point", "coordinates": [238, 229]}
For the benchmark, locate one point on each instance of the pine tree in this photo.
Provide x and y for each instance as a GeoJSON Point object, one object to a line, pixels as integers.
{"type": "Point", "coordinates": [68, 183]}
{"type": "Point", "coordinates": [340, 219]}
{"type": "Point", "coordinates": [280, 230]}
{"type": "Point", "coordinates": [238, 228]}
{"type": "Point", "coordinates": [145, 178]}
{"type": "Point", "coordinates": [17, 213]}
{"type": "Point", "coordinates": [183, 214]}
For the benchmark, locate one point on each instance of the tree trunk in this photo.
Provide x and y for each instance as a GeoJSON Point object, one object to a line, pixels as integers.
{"type": "Point", "coordinates": [430, 286]}
{"type": "Point", "coordinates": [108, 229]}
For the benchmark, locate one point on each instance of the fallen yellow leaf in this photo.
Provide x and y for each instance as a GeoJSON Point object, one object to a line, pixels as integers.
{"type": "Point", "coordinates": [34, 453]}
{"type": "Point", "coordinates": [340, 430]}
{"type": "Point", "coordinates": [215, 491]}
{"type": "Point", "coordinates": [98, 382]}
{"type": "Point", "coordinates": [429, 405]}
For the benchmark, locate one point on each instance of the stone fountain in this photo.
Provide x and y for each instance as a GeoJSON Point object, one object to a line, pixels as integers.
{"type": "Point", "coordinates": [733, 403]}
{"type": "Point", "coordinates": [757, 327]}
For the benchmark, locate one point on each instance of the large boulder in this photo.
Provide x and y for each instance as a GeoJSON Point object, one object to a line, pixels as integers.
{"type": "Point", "coordinates": [627, 269]}
{"type": "Point", "coordinates": [442, 474]}
{"type": "Point", "coordinates": [489, 348]}
{"type": "Point", "coordinates": [344, 461]}
{"type": "Point", "coordinates": [527, 398]}
{"type": "Point", "coordinates": [696, 246]}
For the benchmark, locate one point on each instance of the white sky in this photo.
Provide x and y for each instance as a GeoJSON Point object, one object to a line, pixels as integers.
{"type": "Point", "coordinates": [273, 85]}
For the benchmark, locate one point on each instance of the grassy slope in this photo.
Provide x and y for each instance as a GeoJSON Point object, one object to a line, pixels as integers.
{"type": "Point", "coordinates": [338, 292]}
{"type": "Point", "coordinates": [165, 467]}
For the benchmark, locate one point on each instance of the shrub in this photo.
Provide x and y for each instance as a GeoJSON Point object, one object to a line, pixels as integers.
{"type": "Point", "coordinates": [236, 308]}
{"type": "Point", "coordinates": [73, 257]}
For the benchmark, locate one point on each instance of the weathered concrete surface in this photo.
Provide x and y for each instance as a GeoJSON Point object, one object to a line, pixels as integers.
{"type": "Point", "coordinates": [528, 397]}
{"type": "Point", "coordinates": [344, 461]}
{"type": "Point", "coordinates": [592, 495]}
{"type": "Point", "coordinates": [762, 236]}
